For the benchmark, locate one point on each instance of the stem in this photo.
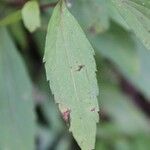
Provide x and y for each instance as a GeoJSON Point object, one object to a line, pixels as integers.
{"type": "Point", "coordinates": [15, 3]}
{"type": "Point", "coordinates": [45, 6]}
{"type": "Point", "coordinates": [21, 3]}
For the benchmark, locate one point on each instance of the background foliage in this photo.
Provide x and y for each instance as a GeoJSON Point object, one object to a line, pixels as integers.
{"type": "Point", "coordinates": [119, 33]}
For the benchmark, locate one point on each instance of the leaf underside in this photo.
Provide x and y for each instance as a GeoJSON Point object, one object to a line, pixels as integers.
{"type": "Point", "coordinates": [136, 13]}
{"type": "Point", "coordinates": [70, 69]}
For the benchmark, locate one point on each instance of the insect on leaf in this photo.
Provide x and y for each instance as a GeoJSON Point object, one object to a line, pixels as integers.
{"type": "Point", "coordinates": [70, 69]}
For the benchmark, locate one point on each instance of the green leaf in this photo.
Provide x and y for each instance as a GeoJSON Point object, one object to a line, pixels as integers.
{"type": "Point", "coordinates": [128, 54]}
{"type": "Point", "coordinates": [92, 14]}
{"type": "Point", "coordinates": [137, 15]}
{"type": "Point", "coordinates": [52, 114]}
{"type": "Point", "coordinates": [122, 111]}
{"type": "Point", "coordinates": [64, 143]}
{"type": "Point", "coordinates": [141, 80]}
{"type": "Point", "coordinates": [19, 34]}
{"type": "Point", "coordinates": [115, 16]}
{"type": "Point", "coordinates": [118, 46]}
{"type": "Point", "coordinates": [101, 146]}
{"type": "Point", "coordinates": [16, 105]}
{"type": "Point", "coordinates": [141, 142]}
{"type": "Point", "coordinates": [10, 19]}
{"type": "Point", "coordinates": [31, 15]}
{"type": "Point", "coordinates": [70, 68]}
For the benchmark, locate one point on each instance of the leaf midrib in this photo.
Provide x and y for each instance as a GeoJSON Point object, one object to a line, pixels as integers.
{"type": "Point", "coordinates": [67, 54]}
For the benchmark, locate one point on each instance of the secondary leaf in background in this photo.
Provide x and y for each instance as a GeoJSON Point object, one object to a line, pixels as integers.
{"type": "Point", "coordinates": [31, 15]}
{"type": "Point", "coordinates": [115, 15]}
{"type": "Point", "coordinates": [70, 68]}
{"type": "Point", "coordinates": [118, 46]}
{"type": "Point", "coordinates": [109, 135]}
{"type": "Point", "coordinates": [53, 130]}
{"type": "Point", "coordinates": [92, 14]}
{"type": "Point", "coordinates": [123, 113]}
{"type": "Point", "coordinates": [141, 142]}
{"type": "Point", "coordinates": [46, 137]}
{"type": "Point", "coordinates": [128, 54]}
{"type": "Point", "coordinates": [16, 105]}
{"type": "Point", "coordinates": [101, 146]}
{"type": "Point", "coordinates": [141, 80]}
{"type": "Point", "coordinates": [19, 34]}
{"type": "Point", "coordinates": [10, 19]}
{"type": "Point", "coordinates": [64, 143]}
{"type": "Point", "coordinates": [137, 16]}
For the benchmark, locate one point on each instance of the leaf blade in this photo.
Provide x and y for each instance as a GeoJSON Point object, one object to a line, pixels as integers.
{"type": "Point", "coordinates": [70, 68]}
{"type": "Point", "coordinates": [31, 15]}
{"type": "Point", "coordinates": [136, 15]}
{"type": "Point", "coordinates": [11, 19]}
{"type": "Point", "coordinates": [16, 107]}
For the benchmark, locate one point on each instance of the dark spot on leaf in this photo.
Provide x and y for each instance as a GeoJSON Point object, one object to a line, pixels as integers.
{"type": "Point", "coordinates": [80, 67]}
{"type": "Point", "coordinates": [141, 18]}
{"type": "Point", "coordinates": [93, 109]}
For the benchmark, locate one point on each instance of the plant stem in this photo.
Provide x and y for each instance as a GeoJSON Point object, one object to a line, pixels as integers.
{"type": "Point", "coordinates": [21, 3]}
{"type": "Point", "coordinates": [46, 6]}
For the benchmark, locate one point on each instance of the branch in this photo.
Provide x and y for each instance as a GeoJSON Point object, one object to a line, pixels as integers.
{"type": "Point", "coordinates": [21, 3]}
{"type": "Point", "coordinates": [46, 6]}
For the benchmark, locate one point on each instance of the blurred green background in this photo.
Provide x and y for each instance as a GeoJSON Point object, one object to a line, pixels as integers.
{"type": "Point", "coordinates": [123, 65]}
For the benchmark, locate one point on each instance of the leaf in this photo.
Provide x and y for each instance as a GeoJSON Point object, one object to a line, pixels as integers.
{"type": "Point", "coordinates": [92, 14]}
{"type": "Point", "coordinates": [128, 54]}
{"type": "Point", "coordinates": [115, 16]}
{"type": "Point", "coordinates": [16, 106]}
{"type": "Point", "coordinates": [122, 111]}
{"type": "Point", "coordinates": [137, 15]}
{"type": "Point", "coordinates": [64, 143]}
{"type": "Point", "coordinates": [31, 15]}
{"type": "Point", "coordinates": [122, 144]}
{"type": "Point", "coordinates": [101, 146]}
{"type": "Point", "coordinates": [46, 137]}
{"type": "Point", "coordinates": [141, 142]}
{"type": "Point", "coordinates": [118, 46]}
{"type": "Point", "coordinates": [19, 34]}
{"type": "Point", "coordinates": [10, 19]}
{"type": "Point", "coordinates": [70, 68]}
{"type": "Point", "coordinates": [141, 80]}
{"type": "Point", "coordinates": [51, 114]}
